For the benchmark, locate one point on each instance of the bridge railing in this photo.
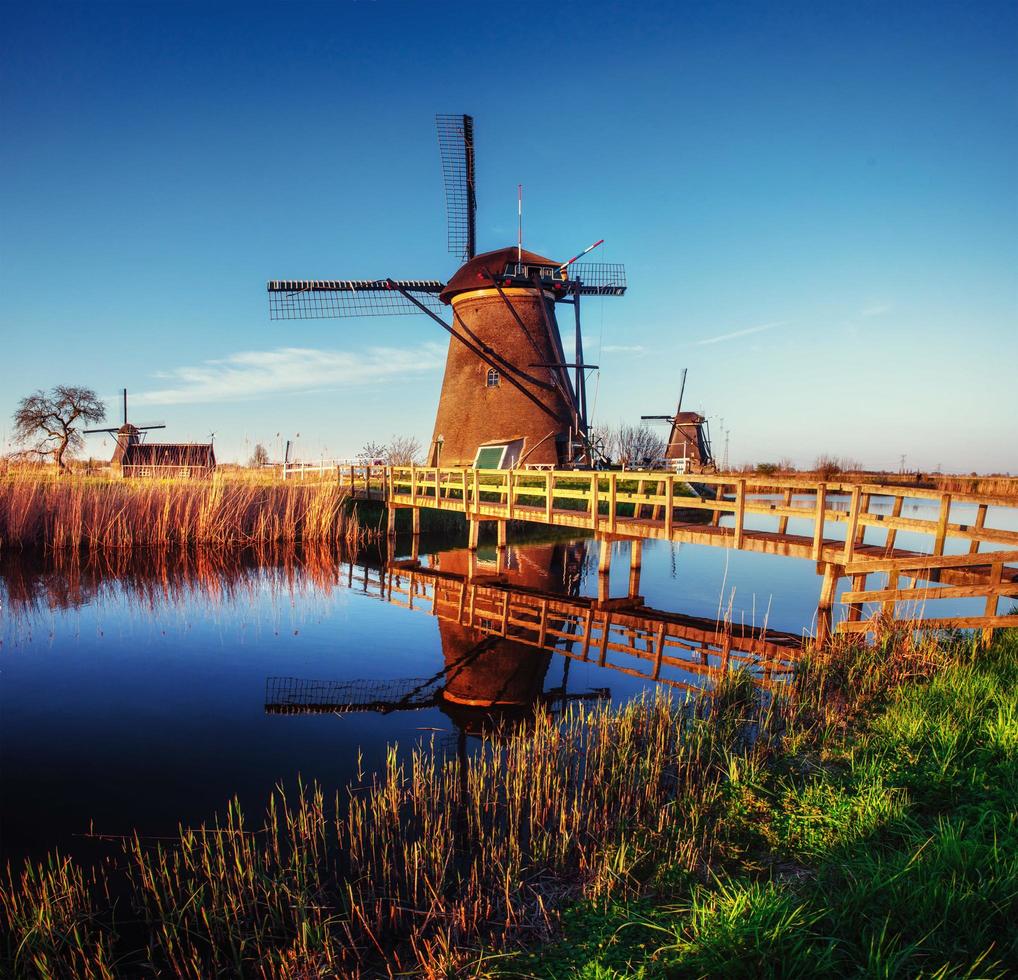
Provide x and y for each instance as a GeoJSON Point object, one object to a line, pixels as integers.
{"type": "Point", "coordinates": [631, 503]}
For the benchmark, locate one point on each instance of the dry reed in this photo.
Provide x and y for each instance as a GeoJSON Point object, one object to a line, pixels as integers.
{"type": "Point", "coordinates": [83, 512]}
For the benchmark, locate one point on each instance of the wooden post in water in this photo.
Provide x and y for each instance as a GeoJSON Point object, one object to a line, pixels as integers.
{"type": "Point", "coordinates": [502, 526]}
{"type": "Point", "coordinates": [604, 564]}
{"type": "Point", "coordinates": [825, 607]}
{"type": "Point", "coordinates": [391, 526]}
{"type": "Point", "coordinates": [635, 564]}
{"type": "Point", "coordinates": [416, 526]}
{"type": "Point", "coordinates": [855, 609]}
{"type": "Point", "coordinates": [473, 526]}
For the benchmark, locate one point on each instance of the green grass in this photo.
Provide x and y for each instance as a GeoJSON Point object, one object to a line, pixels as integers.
{"type": "Point", "coordinates": [887, 850]}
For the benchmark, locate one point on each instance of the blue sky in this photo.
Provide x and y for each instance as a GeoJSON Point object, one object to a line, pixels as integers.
{"type": "Point", "coordinates": [816, 204]}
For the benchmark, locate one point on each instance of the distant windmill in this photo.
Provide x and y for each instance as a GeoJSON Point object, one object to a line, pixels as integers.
{"type": "Point", "coordinates": [133, 457]}
{"type": "Point", "coordinates": [126, 433]}
{"type": "Point", "coordinates": [507, 395]}
{"type": "Point", "coordinates": [689, 439]}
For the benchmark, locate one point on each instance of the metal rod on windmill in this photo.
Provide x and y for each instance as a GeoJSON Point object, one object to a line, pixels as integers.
{"type": "Point", "coordinates": [589, 248]}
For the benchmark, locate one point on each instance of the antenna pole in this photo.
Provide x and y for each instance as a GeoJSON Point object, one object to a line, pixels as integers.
{"type": "Point", "coordinates": [519, 217]}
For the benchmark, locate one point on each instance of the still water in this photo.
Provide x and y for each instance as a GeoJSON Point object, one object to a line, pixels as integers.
{"type": "Point", "coordinates": [145, 694]}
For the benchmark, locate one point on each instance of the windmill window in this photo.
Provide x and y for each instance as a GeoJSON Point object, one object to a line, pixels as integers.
{"type": "Point", "coordinates": [493, 379]}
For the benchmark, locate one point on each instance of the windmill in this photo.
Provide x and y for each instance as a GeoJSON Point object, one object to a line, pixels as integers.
{"type": "Point", "coordinates": [689, 439]}
{"type": "Point", "coordinates": [507, 397]}
{"type": "Point", "coordinates": [127, 434]}
{"type": "Point", "coordinates": [134, 457]}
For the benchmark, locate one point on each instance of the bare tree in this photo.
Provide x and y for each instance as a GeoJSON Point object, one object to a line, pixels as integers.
{"type": "Point", "coordinates": [402, 451]}
{"type": "Point", "coordinates": [49, 420]}
{"type": "Point", "coordinates": [260, 456]}
{"type": "Point", "coordinates": [638, 445]}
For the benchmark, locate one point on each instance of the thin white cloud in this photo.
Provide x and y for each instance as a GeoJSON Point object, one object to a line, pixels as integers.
{"type": "Point", "coordinates": [877, 309]}
{"type": "Point", "coordinates": [252, 374]}
{"type": "Point", "coordinates": [741, 333]}
{"type": "Point", "coordinates": [623, 349]}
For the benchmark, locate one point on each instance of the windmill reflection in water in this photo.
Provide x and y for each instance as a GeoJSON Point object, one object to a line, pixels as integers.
{"type": "Point", "coordinates": [502, 621]}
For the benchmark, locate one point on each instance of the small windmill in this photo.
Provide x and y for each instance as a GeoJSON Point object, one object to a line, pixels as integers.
{"type": "Point", "coordinates": [507, 395]}
{"type": "Point", "coordinates": [689, 440]}
{"type": "Point", "coordinates": [127, 434]}
{"type": "Point", "coordinates": [134, 457]}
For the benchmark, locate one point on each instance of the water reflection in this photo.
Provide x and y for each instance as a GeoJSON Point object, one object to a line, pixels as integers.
{"type": "Point", "coordinates": [145, 690]}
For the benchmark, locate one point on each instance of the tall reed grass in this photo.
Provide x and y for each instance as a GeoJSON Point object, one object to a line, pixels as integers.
{"type": "Point", "coordinates": [428, 866]}
{"type": "Point", "coordinates": [81, 512]}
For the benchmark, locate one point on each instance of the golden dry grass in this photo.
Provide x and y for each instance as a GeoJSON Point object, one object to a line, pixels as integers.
{"type": "Point", "coordinates": [77, 512]}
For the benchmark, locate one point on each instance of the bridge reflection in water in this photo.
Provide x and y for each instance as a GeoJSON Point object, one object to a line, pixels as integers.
{"type": "Point", "coordinates": [501, 622]}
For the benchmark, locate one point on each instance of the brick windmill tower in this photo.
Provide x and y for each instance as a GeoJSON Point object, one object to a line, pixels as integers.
{"type": "Point", "coordinates": [508, 396]}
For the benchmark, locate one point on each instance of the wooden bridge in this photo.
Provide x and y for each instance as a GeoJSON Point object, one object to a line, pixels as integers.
{"type": "Point", "coordinates": [837, 527]}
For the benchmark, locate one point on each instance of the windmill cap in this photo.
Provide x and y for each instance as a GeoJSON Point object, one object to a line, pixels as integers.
{"type": "Point", "coordinates": [479, 271]}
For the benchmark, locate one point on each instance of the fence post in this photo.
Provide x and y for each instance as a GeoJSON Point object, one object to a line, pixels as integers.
{"type": "Point", "coordinates": [892, 533]}
{"type": "Point", "coordinates": [945, 511]}
{"type": "Point", "coordinates": [818, 521]}
{"type": "Point", "coordinates": [825, 606]}
{"type": "Point", "coordinates": [853, 524]}
{"type": "Point", "coordinates": [864, 508]}
{"type": "Point", "coordinates": [783, 522]}
{"type": "Point", "coordinates": [512, 494]}
{"type": "Point", "coordinates": [740, 511]}
{"type": "Point", "coordinates": [996, 576]}
{"type": "Point", "coordinates": [549, 487]}
{"type": "Point", "coordinates": [595, 504]}
{"type": "Point", "coordinates": [980, 522]}
{"type": "Point", "coordinates": [413, 485]}
{"type": "Point", "coordinates": [613, 484]}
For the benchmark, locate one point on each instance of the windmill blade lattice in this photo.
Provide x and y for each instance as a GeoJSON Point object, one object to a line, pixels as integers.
{"type": "Point", "coordinates": [456, 145]}
{"type": "Point", "coordinates": [315, 299]}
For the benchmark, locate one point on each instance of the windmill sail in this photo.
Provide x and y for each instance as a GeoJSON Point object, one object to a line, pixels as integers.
{"type": "Point", "coordinates": [315, 299]}
{"type": "Point", "coordinates": [456, 144]}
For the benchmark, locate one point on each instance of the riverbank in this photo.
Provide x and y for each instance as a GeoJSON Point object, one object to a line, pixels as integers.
{"type": "Point", "coordinates": [887, 846]}
{"type": "Point", "coordinates": [862, 823]}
